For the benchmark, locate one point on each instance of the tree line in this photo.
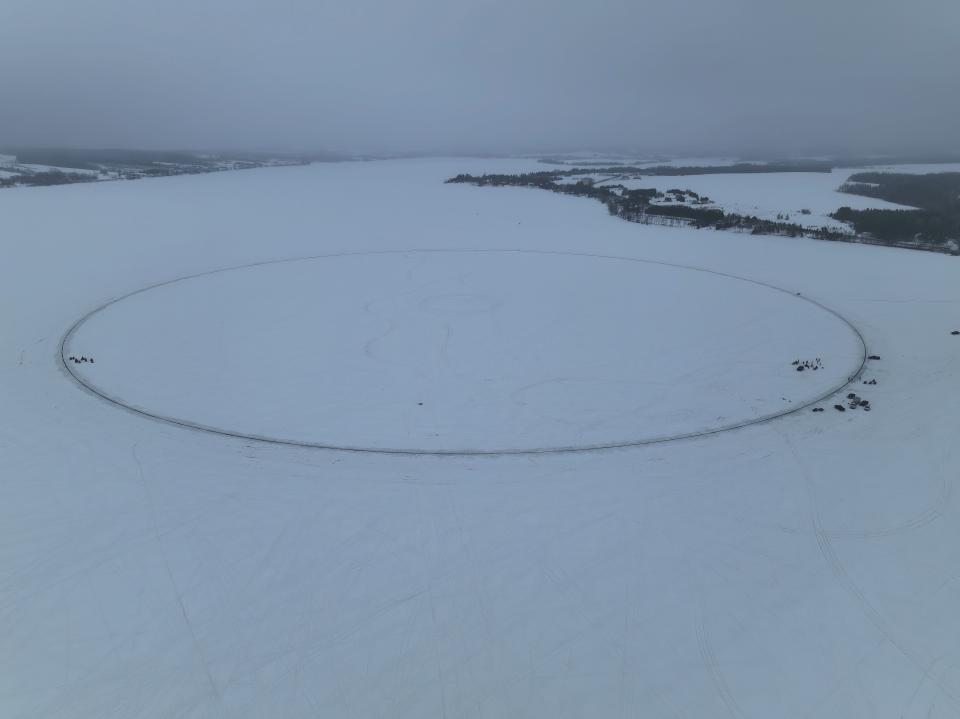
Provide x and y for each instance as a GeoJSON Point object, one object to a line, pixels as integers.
{"type": "Point", "coordinates": [935, 195]}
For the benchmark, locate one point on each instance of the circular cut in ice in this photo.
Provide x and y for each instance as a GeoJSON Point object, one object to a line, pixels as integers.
{"type": "Point", "coordinates": [462, 351]}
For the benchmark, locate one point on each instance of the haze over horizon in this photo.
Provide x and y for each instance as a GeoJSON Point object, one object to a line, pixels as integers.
{"type": "Point", "coordinates": [687, 76]}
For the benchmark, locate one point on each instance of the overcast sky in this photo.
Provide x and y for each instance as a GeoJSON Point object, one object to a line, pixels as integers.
{"type": "Point", "coordinates": [705, 76]}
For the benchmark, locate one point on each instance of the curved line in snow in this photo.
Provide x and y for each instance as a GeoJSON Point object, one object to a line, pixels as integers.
{"type": "Point", "coordinates": [463, 452]}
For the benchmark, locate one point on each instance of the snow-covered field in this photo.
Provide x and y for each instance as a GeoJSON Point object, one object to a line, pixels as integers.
{"type": "Point", "coordinates": [808, 566]}
{"type": "Point", "coordinates": [766, 195]}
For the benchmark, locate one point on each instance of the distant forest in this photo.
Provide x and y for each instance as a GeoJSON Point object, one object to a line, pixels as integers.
{"type": "Point", "coordinates": [740, 168]}
{"type": "Point", "coordinates": [937, 195]}
{"type": "Point", "coordinates": [94, 159]}
{"type": "Point", "coordinates": [46, 179]}
{"type": "Point", "coordinates": [63, 166]}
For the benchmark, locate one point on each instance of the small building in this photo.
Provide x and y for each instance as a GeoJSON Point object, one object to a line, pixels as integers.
{"type": "Point", "coordinates": [8, 160]}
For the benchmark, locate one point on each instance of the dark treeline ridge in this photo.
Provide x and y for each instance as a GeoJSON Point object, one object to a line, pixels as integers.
{"type": "Point", "coordinates": [936, 191]}
{"type": "Point", "coordinates": [740, 168]}
{"type": "Point", "coordinates": [916, 225]}
{"type": "Point", "coordinates": [94, 159]}
{"type": "Point", "coordinates": [63, 166]}
{"type": "Point", "coordinates": [46, 179]}
{"type": "Point", "coordinates": [83, 159]}
{"type": "Point", "coordinates": [636, 205]}
{"type": "Point", "coordinates": [936, 195]}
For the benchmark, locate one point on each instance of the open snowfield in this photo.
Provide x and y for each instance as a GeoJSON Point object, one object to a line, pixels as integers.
{"type": "Point", "coordinates": [805, 566]}
{"type": "Point", "coordinates": [459, 351]}
{"type": "Point", "coordinates": [766, 195]}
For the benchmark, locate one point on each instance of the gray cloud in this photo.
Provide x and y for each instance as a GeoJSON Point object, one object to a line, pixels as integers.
{"type": "Point", "coordinates": [483, 76]}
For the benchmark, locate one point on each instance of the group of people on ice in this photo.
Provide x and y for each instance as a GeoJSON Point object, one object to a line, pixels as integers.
{"type": "Point", "coordinates": [801, 365]}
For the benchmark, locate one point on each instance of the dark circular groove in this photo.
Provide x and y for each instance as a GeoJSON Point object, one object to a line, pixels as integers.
{"type": "Point", "coordinates": [466, 452]}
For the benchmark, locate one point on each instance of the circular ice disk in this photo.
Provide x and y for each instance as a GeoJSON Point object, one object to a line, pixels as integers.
{"type": "Point", "coordinates": [462, 351]}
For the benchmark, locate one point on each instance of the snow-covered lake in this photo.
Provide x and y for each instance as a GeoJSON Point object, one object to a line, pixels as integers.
{"type": "Point", "coordinates": [458, 351]}
{"type": "Point", "coordinates": [806, 566]}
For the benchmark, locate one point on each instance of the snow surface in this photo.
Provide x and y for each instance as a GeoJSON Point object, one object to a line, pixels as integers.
{"type": "Point", "coordinates": [460, 351]}
{"type": "Point", "coordinates": [805, 567]}
{"type": "Point", "coordinates": [766, 195]}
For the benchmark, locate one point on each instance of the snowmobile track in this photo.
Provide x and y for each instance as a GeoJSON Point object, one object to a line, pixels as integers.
{"type": "Point", "coordinates": [463, 452]}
